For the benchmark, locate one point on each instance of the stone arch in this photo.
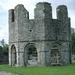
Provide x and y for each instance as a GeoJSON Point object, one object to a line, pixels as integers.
{"type": "Point", "coordinates": [13, 55]}
{"type": "Point", "coordinates": [56, 54]}
{"type": "Point", "coordinates": [30, 55]}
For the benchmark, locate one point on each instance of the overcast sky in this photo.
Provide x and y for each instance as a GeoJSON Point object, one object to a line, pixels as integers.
{"type": "Point", "coordinates": [5, 5]}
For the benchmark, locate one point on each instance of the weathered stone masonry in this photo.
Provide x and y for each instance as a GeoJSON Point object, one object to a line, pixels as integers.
{"type": "Point", "coordinates": [51, 37]}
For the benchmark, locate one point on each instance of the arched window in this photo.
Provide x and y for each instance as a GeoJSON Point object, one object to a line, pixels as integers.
{"type": "Point", "coordinates": [13, 55]}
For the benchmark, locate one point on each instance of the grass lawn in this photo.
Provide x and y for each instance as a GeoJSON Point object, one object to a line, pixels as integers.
{"type": "Point", "coordinates": [51, 70]}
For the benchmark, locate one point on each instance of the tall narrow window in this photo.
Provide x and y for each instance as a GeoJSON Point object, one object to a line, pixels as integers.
{"type": "Point", "coordinates": [13, 55]}
{"type": "Point", "coordinates": [12, 15]}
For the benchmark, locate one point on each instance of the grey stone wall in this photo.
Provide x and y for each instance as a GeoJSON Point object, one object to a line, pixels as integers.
{"type": "Point", "coordinates": [44, 32]}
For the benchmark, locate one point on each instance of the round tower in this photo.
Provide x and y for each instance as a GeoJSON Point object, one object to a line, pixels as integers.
{"type": "Point", "coordinates": [62, 13]}
{"type": "Point", "coordinates": [64, 34]}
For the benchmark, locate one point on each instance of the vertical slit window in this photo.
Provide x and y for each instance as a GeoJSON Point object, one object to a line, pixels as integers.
{"type": "Point", "coordinates": [12, 16]}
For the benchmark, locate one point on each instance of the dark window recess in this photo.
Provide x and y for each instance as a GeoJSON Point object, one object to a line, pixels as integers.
{"type": "Point", "coordinates": [30, 30]}
{"type": "Point", "coordinates": [12, 16]}
{"type": "Point", "coordinates": [56, 38]}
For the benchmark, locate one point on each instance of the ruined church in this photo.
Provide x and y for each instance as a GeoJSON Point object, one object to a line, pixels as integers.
{"type": "Point", "coordinates": [42, 41]}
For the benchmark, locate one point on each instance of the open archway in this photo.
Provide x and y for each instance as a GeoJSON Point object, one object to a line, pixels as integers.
{"type": "Point", "coordinates": [31, 56]}
{"type": "Point", "coordinates": [13, 55]}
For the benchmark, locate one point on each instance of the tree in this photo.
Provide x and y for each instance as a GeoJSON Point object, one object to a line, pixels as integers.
{"type": "Point", "coordinates": [73, 40]}
{"type": "Point", "coordinates": [4, 46]}
{"type": "Point", "coordinates": [3, 52]}
{"type": "Point", "coordinates": [1, 55]}
{"type": "Point", "coordinates": [5, 49]}
{"type": "Point", "coordinates": [2, 42]}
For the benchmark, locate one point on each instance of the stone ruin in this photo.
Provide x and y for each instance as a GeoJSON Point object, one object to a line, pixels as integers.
{"type": "Point", "coordinates": [42, 41]}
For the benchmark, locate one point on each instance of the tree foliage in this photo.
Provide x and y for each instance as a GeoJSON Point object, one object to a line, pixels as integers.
{"type": "Point", "coordinates": [2, 42]}
{"type": "Point", "coordinates": [32, 50]}
{"type": "Point", "coordinates": [73, 40]}
{"type": "Point", "coordinates": [4, 47]}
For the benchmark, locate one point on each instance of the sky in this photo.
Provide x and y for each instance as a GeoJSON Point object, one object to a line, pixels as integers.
{"type": "Point", "coordinates": [5, 5]}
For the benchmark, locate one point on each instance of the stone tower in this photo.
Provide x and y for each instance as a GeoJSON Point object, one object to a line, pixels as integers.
{"type": "Point", "coordinates": [41, 41]}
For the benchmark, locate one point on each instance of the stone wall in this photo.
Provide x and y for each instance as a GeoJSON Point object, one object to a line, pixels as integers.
{"type": "Point", "coordinates": [43, 32]}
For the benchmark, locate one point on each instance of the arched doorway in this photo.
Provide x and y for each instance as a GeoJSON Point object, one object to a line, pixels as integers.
{"type": "Point", "coordinates": [31, 56]}
{"type": "Point", "coordinates": [13, 56]}
{"type": "Point", "coordinates": [55, 55]}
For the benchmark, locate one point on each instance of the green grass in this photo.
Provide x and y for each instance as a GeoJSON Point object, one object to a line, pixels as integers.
{"type": "Point", "coordinates": [51, 70]}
